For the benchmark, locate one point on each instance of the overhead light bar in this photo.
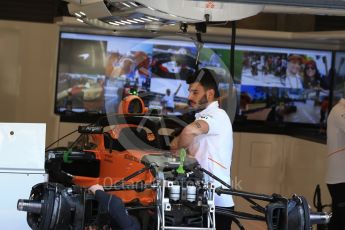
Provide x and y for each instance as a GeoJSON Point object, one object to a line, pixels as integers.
{"type": "Point", "coordinates": [78, 15]}
{"type": "Point", "coordinates": [132, 21]}
{"type": "Point", "coordinates": [133, 4]}
{"type": "Point", "coordinates": [146, 19]}
{"type": "Point", "coordinates": [138, 20]}
{"type": "Point", "coordinates": [118, 22]}
{"type": "Point", "coordinates": [156, 19]}
{"type": "Point", "coordinates": [82, 13]}
{"type": "Point", "coordinates": [113, 23]}
{"type": "Point", "coordinates": [125, 4]}
{"type": "Point", "coordinates": [79, 20]}
{"type": "Point", "coordinates": [150, 8]}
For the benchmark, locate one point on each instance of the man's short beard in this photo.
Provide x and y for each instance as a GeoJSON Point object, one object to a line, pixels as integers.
{"type": "Point", "coordinates": [202, 104]}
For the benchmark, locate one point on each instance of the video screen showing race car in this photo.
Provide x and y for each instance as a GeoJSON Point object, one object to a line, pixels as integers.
{"type": "Point", "coordinates": [95, 72]}
{"type": "Point", "coordinates": [172, 62]}
{"type": "Point", "coordinates": [81, 75]}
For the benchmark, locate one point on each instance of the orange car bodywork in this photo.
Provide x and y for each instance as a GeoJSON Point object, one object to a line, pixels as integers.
{"type": "Point", "coordinates": [115, 165]}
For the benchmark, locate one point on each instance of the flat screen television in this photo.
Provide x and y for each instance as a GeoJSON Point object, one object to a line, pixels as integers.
{"type": "Point", "coordinates": [339, 76]}
{"type": "Point", "coordinates": [278, 86]}
{"type": "Point", "coordinates": [95, 72]}
{"type": "Point", "coordinates": [284, 85]}
{"type": "Point", "coordinates": [273, 84]}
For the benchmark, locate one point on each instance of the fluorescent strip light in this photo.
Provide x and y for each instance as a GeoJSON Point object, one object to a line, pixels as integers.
{"type": "Point", "coordinates": [125, 4]}
{"type": "Point", "coordinates": [133, 4]}
{"type": "Point", "coordinates": [121, 23]}
{"type": "Point", "coordinates": [128, 20]}
{"type": "Point", "coordinates": [78, 15]}
{"type": "Point", "coordinates": [79, 20]}
{"type": "Point", "coordinates": [146, 19]}
{"type": "Point", "coordinates": [150, 8]}
{"type": "Point", "coordinates": [156, 19]}
{"type": "Point", "coordinates": [82, 13]}
{"type": "Point", "coordinates": [113, 23]}
{"type": "Point", "coordinates": [138, 20]}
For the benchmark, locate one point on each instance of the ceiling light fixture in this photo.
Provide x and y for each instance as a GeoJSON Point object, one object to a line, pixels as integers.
{"type": "Point", "coordinates": [114, 23]}
{"type": "Point", "coordinates": [121, 23]}
{"type": "Point", "coordinates": [138, 20]}
{"type": "Point", "coordinates": [156, 19]}
{"type": "Point", "coordinates": [133, 4]}
{"type": "Point", "coordinates": [146, 19]}
{"type": "Point", "coordinates": [125, 4]}
{"type": "Point", "coordinates": [132, 21]}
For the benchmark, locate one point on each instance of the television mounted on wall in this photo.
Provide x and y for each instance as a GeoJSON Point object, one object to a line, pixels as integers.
{"type": "Point", "coordinates": [275, 85]}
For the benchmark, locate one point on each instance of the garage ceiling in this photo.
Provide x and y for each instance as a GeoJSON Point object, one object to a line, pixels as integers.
{"type": "Point", "coordinates": [32, 10]}
{"type": "Point", "coordinates": [331, 4]}
{"type": "Point", "coordinates": [46, 10]}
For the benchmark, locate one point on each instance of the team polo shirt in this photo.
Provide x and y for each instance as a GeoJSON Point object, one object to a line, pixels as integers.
{"type": "Point", "coordinates": [213, 150]}
{"type": "Point", "coordinates": [336, 144]}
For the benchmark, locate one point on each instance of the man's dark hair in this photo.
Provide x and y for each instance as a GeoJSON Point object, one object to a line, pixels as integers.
{"type": "Point", "coordinates": [207, 78]}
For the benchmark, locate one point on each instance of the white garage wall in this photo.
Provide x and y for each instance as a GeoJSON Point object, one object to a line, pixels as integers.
{"type": "Point", "coordinates": [28, 57]}
{"type": "Point", "coordinates": [269, 163]}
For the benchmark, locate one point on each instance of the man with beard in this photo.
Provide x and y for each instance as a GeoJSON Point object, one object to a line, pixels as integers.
{"type": "Point", "coordinates": [209, 138]}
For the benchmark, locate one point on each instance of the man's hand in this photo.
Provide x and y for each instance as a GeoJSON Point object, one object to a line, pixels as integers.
{"type": "Point", "coordinates": [95, 187]}
{"type": "Point", "coordinates": [174, 146]}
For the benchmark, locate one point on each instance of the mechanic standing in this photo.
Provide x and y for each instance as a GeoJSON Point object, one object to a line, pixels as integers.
{"type": "Point", "coordinates": [335, 176]}
{"type": "Point", "coordinates": [209, 138]}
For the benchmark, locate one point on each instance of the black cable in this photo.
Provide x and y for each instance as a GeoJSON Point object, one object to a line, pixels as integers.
{"type": "Point", "coordinates": [60, 139]}
{"type": "Point", "coordinates": [255, 205]}
{"type": "Point", "coordinates": [213, 176]}
{"type": "Point", "coordinates": [246, 194]}
{"type": "Point", "coordinates": [238, 223]}
{"type": "Point", "coordinates": [96, 122]}
{"type": "Point", "coordinates": [239, 215]}
{"type": "Point", "coordinates": [136, 173]}
{"type": "Point", "coordinates": [74, 142]}
{"type": "Point", "coordinates": [231, 191]}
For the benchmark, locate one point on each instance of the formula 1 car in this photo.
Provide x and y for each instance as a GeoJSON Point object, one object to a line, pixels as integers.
{"type": "Point", "coordinates": [131, 158]}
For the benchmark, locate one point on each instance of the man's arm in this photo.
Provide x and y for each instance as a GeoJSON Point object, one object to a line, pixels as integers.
{"type": "Point", "coordinates": [178, 89]}
{"type": "Point", "coordinates": [191, 131]}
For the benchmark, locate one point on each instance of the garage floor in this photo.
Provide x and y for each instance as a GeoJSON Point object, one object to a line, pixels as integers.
{"type": "Point", "coordinates": [251, 225]}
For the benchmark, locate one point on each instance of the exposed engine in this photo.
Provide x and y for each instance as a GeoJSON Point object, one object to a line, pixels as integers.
{"type": "Point", "coordinates": [183, 201]}
{"type": "Point", "coordinates": [160, 191]}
